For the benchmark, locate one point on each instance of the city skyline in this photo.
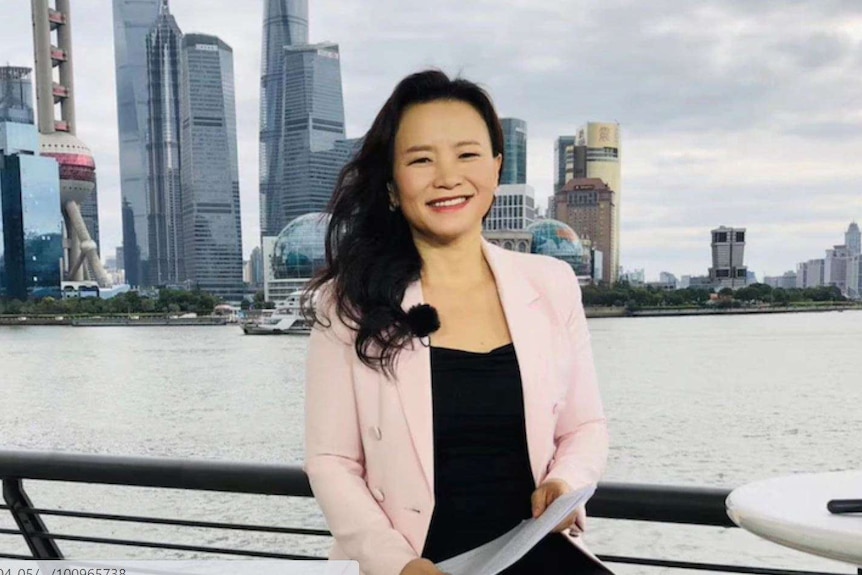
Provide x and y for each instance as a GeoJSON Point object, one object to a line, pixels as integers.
{"type": "Point", "coordinates": [726, 121]}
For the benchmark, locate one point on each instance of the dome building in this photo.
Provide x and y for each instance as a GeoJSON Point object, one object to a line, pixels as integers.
{"type": "Point", "coordinates": [295, 255]}
{"type": "Point", "coordinates": [556, 239]}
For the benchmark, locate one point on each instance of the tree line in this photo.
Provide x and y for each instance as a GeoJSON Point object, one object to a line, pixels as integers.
{"type": "Point", "coordinates": [168, 302]}
{"type": "Point", "coordinates": [624, 295]}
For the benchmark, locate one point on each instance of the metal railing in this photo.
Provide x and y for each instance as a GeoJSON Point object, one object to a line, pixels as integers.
{"type": "Point", "coordinates": [655, 503]}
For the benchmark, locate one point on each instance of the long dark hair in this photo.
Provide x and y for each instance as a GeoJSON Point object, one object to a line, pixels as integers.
{"type": "Point", "coordinates": [370, 254]}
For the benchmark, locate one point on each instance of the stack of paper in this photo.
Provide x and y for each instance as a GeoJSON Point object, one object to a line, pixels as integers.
{"type": "Point", "coordinates": [496, 555]}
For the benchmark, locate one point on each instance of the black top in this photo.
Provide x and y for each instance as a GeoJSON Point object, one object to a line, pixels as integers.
{"type": "Point", "coordinates": [482, 476]}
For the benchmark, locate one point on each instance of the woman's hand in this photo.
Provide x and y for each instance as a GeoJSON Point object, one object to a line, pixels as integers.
{"type": "Point", "coordinates": [421, 566]}
{"type": "Point", "coordinates": [546, 493]}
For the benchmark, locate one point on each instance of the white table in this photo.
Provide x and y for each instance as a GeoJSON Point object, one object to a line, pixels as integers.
{"type": "Point", "coordinates": [791, 511]}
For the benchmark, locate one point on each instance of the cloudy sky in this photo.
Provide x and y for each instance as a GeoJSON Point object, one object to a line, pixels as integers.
{"type": "Point", "coordinates": [732, 112]}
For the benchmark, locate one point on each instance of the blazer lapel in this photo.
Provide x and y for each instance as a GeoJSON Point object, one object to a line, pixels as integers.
{"type": "Point", "coordinates": [413, 370]}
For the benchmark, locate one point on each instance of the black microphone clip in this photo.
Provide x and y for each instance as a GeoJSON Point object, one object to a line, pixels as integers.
{"type": "Point", "coordinates": [423, 320]}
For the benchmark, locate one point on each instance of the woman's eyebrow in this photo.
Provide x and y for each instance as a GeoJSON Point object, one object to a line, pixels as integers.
{"type": "Point", "coordinates": [429, 148]}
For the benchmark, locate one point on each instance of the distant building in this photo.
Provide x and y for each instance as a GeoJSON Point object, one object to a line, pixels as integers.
{"type": "Point", "coordinates": [593, 153]}
{"type": "Point", "coordinates": [587, 205]}
{"type": "Point", "coordinates": [513, 240]}
{"type": "Point", "coordinates": [684, 282]}
{"type": "Point", "coordinates": [255, 268]}
{"type": "Point", "coordinates": [514, 208]}
{"type": "Point", "coordinates": [132, 22]}
{"type": "Point", "coordinates": [285, 23]}
{"type": "Point", "coordinates": [31, 221]}
{"type": "Point", "coordinates": [164, 215]}
{"type": "Point", "coordinates": [810, 274]}
{"type": "Point", "coordinates": [785, 281]}
{"type": "Point", "coordinates": [853, 240]}
{"type": "Point", "coordinates": [854, 277]}
{"type": "Point", "coordinates": [835, 267]}
{"type": "Point", "coordinates": [558, 240]}
{"type": "Point", "coordinates": [212, 232]}
{"type": "Point", "coordinates": [121, 258]}
{"type": "Point", "coordinates": [16, 95]}
{"type": "Point", "coordinates": [635, 278]}
{"type": "Point", "coordinates": [294, 256]}
{"type": "Point", "coordinates": [728, 251]}
{"type": "Point", "coordinates": [515, 151]}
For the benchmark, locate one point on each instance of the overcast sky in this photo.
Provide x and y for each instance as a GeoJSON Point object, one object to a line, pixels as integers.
{"type": "Point", "coordinates": [732, 112]}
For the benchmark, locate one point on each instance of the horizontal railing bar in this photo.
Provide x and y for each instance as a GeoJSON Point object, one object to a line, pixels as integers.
{"type": "Point", "coordinates": [707, 566]}
{"type": "Point", "coordinates": [171, 473]}
{"type": "Point", "coordinates": [661, 503]}
{"type": "Point", "coordinates": [11, 532]}
{"type": "Point", "coordinates": [12, 556]}
{"type": "Point", "coordinates": [180, 522]}
{"type": "Point", "coordinates": [173, 546]}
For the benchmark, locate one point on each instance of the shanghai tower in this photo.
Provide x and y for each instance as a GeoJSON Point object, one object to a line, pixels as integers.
{"type": "Point", "coordinates": [285, 24]}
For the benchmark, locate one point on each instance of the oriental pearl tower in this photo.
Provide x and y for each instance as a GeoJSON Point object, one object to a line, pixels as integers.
{"type": "Point", "coordinates": [52, 43]}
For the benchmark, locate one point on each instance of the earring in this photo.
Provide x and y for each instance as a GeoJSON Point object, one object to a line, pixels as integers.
{"type": "Point", "coordinates": [392, 207]}
{"type": "Point", "coordinates": [392, 204]}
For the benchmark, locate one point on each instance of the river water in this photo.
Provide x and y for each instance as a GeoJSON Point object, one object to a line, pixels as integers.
{"type": "Point", "coordinates": [700, 401]}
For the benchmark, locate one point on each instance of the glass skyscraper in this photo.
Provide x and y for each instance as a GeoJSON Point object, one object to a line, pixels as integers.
{"type": "Point", "coordinates": [133, 20]}
{"type": "Point", "coordinates": [163, 148]}
{"type": "Point", "coordinates": [285, 23]}
{"type": "Point", "coordinates": [212, 237]}
{"type": "Point", "coordinates": [31, 223]}
{"type": "Point", "coordinates": [313, 121]}
{"type": "Point", "coordinates": [515, 151]}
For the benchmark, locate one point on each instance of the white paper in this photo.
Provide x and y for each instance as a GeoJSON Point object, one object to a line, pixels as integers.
{"type": "Point", "coordinates": [496, 555]}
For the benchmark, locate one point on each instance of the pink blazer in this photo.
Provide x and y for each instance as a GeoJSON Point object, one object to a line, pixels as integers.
{"type": "Point", "coordinates": [369, 441]}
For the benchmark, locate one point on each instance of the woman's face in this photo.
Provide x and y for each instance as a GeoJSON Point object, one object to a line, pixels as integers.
{"type": "Point", "coordinates": [443, 152]}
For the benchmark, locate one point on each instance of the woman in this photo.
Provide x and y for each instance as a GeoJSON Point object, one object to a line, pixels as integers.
{"type": "Point", "coordinates": [428, 434]}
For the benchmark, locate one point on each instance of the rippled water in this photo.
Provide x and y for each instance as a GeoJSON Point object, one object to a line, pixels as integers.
{"type": "Point", "coordinates": [710, 401]}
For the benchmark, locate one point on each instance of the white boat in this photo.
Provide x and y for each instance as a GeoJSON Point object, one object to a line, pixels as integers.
{"type": "Point", "coordinates": [285, 319]}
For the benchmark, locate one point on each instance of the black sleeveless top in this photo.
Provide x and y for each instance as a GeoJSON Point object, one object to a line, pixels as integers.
{"type": "Point", "coordinates": [482, 475]}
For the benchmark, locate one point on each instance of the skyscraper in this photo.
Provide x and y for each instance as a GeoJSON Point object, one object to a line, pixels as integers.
{"type": "Point", "coordinates": [515, 151]}
{"type": "Point", "coordinates": [728, 255]}
{"type": "Point", "coordinates": [587, 206]}
{"type": "Point", "coordinates": [164, 217]}
{"type": "Point", "coordinates": [212, 238]}
{"type": "Point", "coordinates": [601, 142]}
{"type": "Point", "coordinates": [16, 95]}
{"type": "Point", "coordinates": [31, 221]}
{"type": "Point", "coordinates": [285, 23]}
{"type": "Point", "coordinates": [514, 208]}
{"type": "Point", "coordinates": [132, 22]}
{"type": "Point", "coordinates": [853, 239]}
{"type": "Point", "coordinates": [52, 43]}
{"type": "Point", "coordinates": [312, 146]}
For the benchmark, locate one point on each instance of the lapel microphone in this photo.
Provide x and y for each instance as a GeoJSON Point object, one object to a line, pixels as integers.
{"type": "Point", "coordinates": [423, 320]}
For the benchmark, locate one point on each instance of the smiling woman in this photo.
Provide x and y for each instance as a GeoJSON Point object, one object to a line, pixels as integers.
{"type": "Point", "coordinates": [493, 416]}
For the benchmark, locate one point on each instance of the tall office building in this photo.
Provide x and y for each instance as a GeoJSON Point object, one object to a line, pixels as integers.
{"type": "Point", "coordinates": [587, 206]}
{"type": "Point", "coordinates": [312, 146]}
{"type": "Point", "coordinates": [212, 237]}
{"type": "Point", "coordinates": [132, 22]}
{"type": "Point", "coordinates": [515, 151]}
{"type": "Point", "coordinates": [514, 208]}
{"type": "Point", "coordinates": [570, 161]}
{"type": "Point", "coordinates": [728, 255]}
{"type": "Point", "coordinates": [601, 143]}
{"type": "Point", "coordinates": [835, 267]}
{"type": "Point", "coordinates": [285, 23]}
{"type": "Point", "coordinates": [52, 45]}
{"type": "Point", "coordinates": [31, 221]}
{"type": "Point", "coordinates": [164, 216]}
{"type": "Point", "coordinates": [853, 239]}
{"type": "Point", "coordinates": [16, 95]}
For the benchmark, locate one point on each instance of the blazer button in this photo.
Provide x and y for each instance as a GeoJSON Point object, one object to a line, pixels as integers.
{"type": "Point", "coordinates": [556, 408]}
{"type": "Point", "coordinates": [378, 435]}
{"type": "Point", "coordinates": [378, 495]}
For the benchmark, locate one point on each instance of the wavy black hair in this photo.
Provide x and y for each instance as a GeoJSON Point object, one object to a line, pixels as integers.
{"type": "Point", "coordinates": [370, 254]}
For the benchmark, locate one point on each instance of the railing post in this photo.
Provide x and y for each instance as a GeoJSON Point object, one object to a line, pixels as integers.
{"type": "Point", "coordinates": [29, 522]}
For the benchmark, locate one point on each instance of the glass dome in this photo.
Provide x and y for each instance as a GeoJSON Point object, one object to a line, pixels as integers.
{"type": "Point", "coordinates": [300, 248]}
{"type": "Point", "coordinates": [556, 239]}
